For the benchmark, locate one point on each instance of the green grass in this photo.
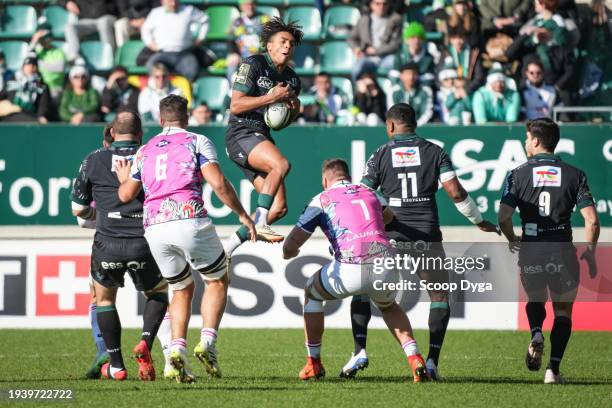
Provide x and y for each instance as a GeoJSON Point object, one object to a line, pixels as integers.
{"type": "Point", "coordinates": [481, 368]}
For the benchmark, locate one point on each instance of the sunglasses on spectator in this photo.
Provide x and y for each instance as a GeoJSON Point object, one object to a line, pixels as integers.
{"type": "Point", "coordinates": [534, 72]}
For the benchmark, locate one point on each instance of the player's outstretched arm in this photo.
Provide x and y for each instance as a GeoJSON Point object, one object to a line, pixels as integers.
{"type": "Point", "coordinates": [129, 188]}
{"type": "Point", "coordinates": [223, 189]}
{"type": "Point", "coordinates": [242, 103]}
{"type": "Point", "coordinates": [466, 205]}
{"type": "Point", "coordinates": [591, 229]}
{"type": "Point", "coordinates": [504, 219]}
{"type": "Point", "coordinates": [294, 241]}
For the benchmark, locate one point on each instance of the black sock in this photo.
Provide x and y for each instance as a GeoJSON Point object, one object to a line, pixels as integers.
{"type": "Point", "coordinates": [153, 315]}
{"type": "Point", "coordinates": [439, 315]}
{"type": "Point", "coordinates": [559, 337]}
{"type": "Point", "coordinates": [110, 327]}
{"type": "Point", "coordinates": [536, 313]}
{"type": "Point", "coordinates": [361, 312]}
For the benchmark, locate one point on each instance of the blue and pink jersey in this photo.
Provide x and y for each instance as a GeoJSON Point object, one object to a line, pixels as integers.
{"type": "Point", "coordinates": [169, 168]}
{"type": "Point", "coordinates": [350, 216]}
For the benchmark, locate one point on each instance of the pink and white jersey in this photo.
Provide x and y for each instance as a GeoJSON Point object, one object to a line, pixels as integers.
{"type": "Point", "coordinates": [350, 216]}
{"type": "Point", "coordinates": [169, 168]}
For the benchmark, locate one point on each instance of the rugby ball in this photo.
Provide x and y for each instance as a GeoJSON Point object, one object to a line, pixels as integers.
{"type": "Point", "coordinates": [277, 115]}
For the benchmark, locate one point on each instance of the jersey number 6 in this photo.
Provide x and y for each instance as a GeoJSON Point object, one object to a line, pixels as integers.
{"type": "Point", "coordinates": [161, 166]}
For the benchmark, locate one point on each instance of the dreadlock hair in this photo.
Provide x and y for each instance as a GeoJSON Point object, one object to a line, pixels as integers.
{"type": "Point", "coordinates": [276, 25]}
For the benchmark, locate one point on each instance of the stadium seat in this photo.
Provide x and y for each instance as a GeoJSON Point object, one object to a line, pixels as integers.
{"type": "Point", "coordinates": [213, 90]}
{"type": "Point", "coordinates": [305, 59]}
{"type": "Point", "coordinates": [126, 56]}
{"type": "Point", "coordinates": [221, 18]}
{"type": "Point", "coordinates": [309, 18]}
{"type": "Point", "coordinates": [387, 86]}
{"type": "Point", "coordinates": [268, 10]}
{"type": "Point", "coordinates": [98, 55]}
{"type": "Point", "coordinates": [414, 13]}
{"type": "Point", "coordinates": [57, 17]}
{"type": "Point", "coordinates": [337, 58]}
{"type": "Point", "coordinates": [18, 21]}
{"type": "Point", "coordinates": [275, 3]}
{"type": "Point", "coordinates": [338, 22]}
{"type": "Point", "coordinates": [14, 52]}
{"type": "Point", "coordinates": [301, 3]}
{"type": "Point", "coordinates": [346, 86]}
{"type": "Point", "coordinates": [233, 3]}
{"type": "Point", "coordinates": [140, 81]}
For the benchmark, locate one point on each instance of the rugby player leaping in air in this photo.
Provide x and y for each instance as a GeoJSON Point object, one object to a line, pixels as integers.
{"type": "Point", "coordinates": [261, 80]}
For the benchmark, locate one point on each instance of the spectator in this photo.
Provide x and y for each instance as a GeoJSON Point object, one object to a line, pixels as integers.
{"type": "Point", "coordinates": [538, 97]}
{"type": "Point", "coordinates": [375, 39]}
{"type": "Point", "coordinates": [414, 50]}
{"type": "Point", "coordinates": [119, 94]}
{"type": "Point", "coordinates": [495, 102]}
{"type": "Point", "coordinates": [409, 91]}
{"type": "Point", "coordinates": [547, 28]}
{"type": "Point", "coordinates": [6, 74]}
{"type": "Point", "coordinates": [328, 103]}
{"type": "Point", "coordinates": [370, 100]}
{"type": "Point", "coordinates": [51, 60]}
{"type": "Point", "coordinates": [461, 14]}
{"type": "Point", "coordinates": [459, 104]}
{"type": "Point", "coordinates": [158, 87]}
{"type": "Point", "coordinates": [26, 97]}
{"type": "Point", "coordinates": [466, 59]}
{"type": "Point", "coordinates": [446, 78]}
{"type": "Point", "coordinates": [244, 35]}
{"type": "Point", "coordinates": [80, 103]}
{"type": "Point", "coordinates": [503, 16]}
{"type": "Point", "coordinates": [91, 16]}
{"type": "Point", "coordinates": [132, 15]}
{"type": "Point", "coordinates": [200, 115]}
{"type": "Point", "coordinates": [167, 34]}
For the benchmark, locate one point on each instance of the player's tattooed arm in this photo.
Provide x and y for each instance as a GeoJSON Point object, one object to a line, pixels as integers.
{"type": "Point", "coordinates": [294, 241]}
{"type": "Point", "coordinates": [242, 103]}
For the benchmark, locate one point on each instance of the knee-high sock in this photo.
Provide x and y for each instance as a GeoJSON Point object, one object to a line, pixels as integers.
{"type": "Point", "coordinates": [361, 312]}
{"type": "Point", "coordinates": [559, 337]}
{"type": "Point", "coordinates": [439, 315]}
{"type": "Point", "coordinates": [154, 311]}
{"type": "Point", "coordinates": [110, 326]}
{"type": "Point", "coordinates": [164, 334]}
{"type": "Point", "coordinates": [536, 313]}
{"type": "Point", "coordinates": [95, 330]}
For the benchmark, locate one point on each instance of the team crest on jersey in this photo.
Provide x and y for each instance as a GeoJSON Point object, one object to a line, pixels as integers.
{"type": "Point", "coordinates": [162, 143]}
{"type": "Point", "coordinates": [116, 158]}
{"type": "Point", "coordinates": [547, 176]}
{"type": "Point", "coordinates": [406, 156]}
{"type": "Point", "coordinates": [265, 82]}
{"type": "Point", "coordinates": [243, 72]}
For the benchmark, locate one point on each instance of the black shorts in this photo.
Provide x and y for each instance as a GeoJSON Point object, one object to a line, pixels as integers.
{"type": "Point", "coordinates": [549, 265]}
{"type": "Point", "coordinates": [240, 140]}
{"type": "Point", "coordinates": [111, 258]}
{"type": "Point", "coordinates": [404, 231]}
{"type": "Point", "coordinates": [432, 258]}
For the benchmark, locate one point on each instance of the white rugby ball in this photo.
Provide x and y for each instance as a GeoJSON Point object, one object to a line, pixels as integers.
{"type": "Point", "coordinates": [277, 115]}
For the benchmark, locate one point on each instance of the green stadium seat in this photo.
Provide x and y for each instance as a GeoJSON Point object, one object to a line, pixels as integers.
{"type": "Point", "coordinates": [14, 52]}
{"type": "Point", "coordinates": [414, 13]}
{"type": "Point", "coordinates": [57, 17]}
{"type": "Point", "coordinates": [214, 90]}
{"type": "Point", "coordinates": [305, 59]}
{"type": "Point", "coordinates": [127, 54]}
{"type": "Point", "coordinates": [275, 3]}
{"type": "Point", "coordinates": [309, 18]}
{"type": "Point", "coordinates": [310, 3]}
{"type": "Point", "coordinates": [338, 21]}
{"type": "Point", "coordinates": [337, 58]}
{"type": "Point", "coordinates": [98, 55]}
{"type": "Point", "coordinates": [18, 21]}
{"type": "Point", "coordinates": [268, 10]}
{"type": "Point", "coordinates": [346, 86]}
{"type": "Point", "coordinates": [221, 18]}
{"type": "Point", "coordinates": [233, 3]}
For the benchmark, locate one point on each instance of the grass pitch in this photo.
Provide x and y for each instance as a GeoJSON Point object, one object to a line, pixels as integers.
{"type": "Point", "coordinates": [481, 368]}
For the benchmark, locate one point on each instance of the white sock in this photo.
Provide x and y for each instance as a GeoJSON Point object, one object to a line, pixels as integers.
{"type": "Point", "coordinates": [314, 349]}
{"type": "Point", "coordinates": [179, 345]}
{"type": "Point", "coordinates": [231, 243]}
{"type": "Point", "coordinates": [410, 348]}
{"type": "Point", "coordinates": [261, 216]}
{"type": "Point", "coordinates": [164, 334]}
{"type": "Point", "coordinates": [208, 335]}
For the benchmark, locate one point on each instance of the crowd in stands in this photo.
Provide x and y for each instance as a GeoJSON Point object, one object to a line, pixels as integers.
{"type": "Point", "coordinates": [455, 61]}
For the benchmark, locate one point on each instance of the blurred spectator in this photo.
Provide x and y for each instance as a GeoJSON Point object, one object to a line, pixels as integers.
{"type": "Point", "coordinates": [80, 103]}
{"type": "Point", "coordinates": [370, 100]}
{"type": "Point", "coordinates": [51, 60]}
{"type": "Point", "coordinates": [547, 28]}
{"type": "Point", "coordinates": [495, 101]}
{"type": "Point", "coordinates": [376, 38]}
{"type": "Point", "coordinates": [446, 87]}
{"type": "Point", "coordinates": [94, 16]}
{"type": "Point", "coordinates": [414, 50]}
{"type": "Point", "coordinates": [118, 93]}
{"type": "Point", "coordinates": [503, 16]}
{"type": "Point", "coordinates": [158, 87]}
{"type": "Point", "coordinates": [6, 74]}
{"type": "Point", "coordinates": [466, 59]}
{"type": "Point", "coordinates": [244, 35]}
{"type": "Point", "coordinates": [201, 115]}
{"type": "Point", "coordinates": [328, 103]}
{"type": "Point", "coordinates": [538, 97]}
{"type": "Point", "coordinates": [132, 15]}
{"type": "Point", "coordinates": [459, 104]}
{"type": "Point", "coordinates": [168, 35]}
{"type": "Point", "coordinates": [26, 98]}
{"type": "Point", "coordinates": [461, 14]}
{"type": "Point", "coordinates": [418, 96]}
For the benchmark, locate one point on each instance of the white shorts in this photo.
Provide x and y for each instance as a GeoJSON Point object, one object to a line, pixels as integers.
{"type": "Point", "coordinates": [341, 280]}
{"type": "Point", "coordinates": [175, 244]}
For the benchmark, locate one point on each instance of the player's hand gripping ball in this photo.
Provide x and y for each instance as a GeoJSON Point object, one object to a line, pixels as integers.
{"type": "Point", "coordinates": [278, 115]}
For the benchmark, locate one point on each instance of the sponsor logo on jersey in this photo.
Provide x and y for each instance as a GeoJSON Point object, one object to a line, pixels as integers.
{"type": "Point", "coordinates": [117, 158]}
{"type": "Point", "coordinates": [243, 72]}
{"type": "Point", "coordinates": [265, 82]}
{"type": "Point", "coordinates": [546, 176]}
{"type": "Point", "coordinates": [162, 143]}
{"type": "Point", "coordinates": [405, 156]}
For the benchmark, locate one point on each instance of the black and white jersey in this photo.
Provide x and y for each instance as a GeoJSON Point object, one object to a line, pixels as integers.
{"type": "Point", "coordinates": [407, 169]}
{"type": "Point", "coordinates": [546, 190]}
{"type": "Point", "coordinates": [98, 182]}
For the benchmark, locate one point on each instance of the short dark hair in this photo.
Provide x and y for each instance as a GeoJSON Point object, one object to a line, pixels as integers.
{"type": "Point", "coordinates": [403, 114]}
{"type": "Point", "coordinates": [323, 74]}
{"type": "Point", "coordinates": [534, 62]}
{"type": "Point", "coordinates": [546, 131]}
{"type": "Point", "coordinates": [412, 66]}
{"type": "Point", "coordinates": [108, 138]}
{"type": "Point", "coordinates": [127, 122]}
{"type": "Point", "coordinates": [173, 108]}
{"type": "Point", "coordinates": [339, 167]}
{"type": "Point", "coordinates": [276, 25]}
{"type": "Point", "coordinates": [119, 68]}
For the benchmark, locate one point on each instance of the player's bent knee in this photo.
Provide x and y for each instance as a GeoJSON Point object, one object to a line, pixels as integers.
{"type": "Point", "coordinates": [182, 280]}
{"type": "Point", "coordinates": [216, 271]}
{"type": "Point", "coordinates": [384, 306]}
{"type": "Point", "coordinates": [283, 166]}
